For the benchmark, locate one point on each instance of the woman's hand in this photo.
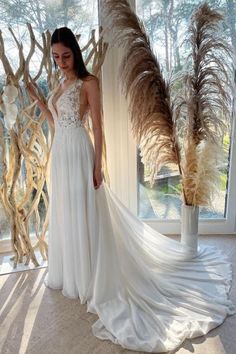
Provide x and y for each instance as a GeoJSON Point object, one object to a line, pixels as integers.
{"type": "Point", "coordinates": [97, 177]}
{"type": "Point", "coordinates": [32, 91]}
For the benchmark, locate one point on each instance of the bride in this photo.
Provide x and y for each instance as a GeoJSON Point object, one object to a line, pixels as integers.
{"type": "Point", "coordinates": [147, 294]}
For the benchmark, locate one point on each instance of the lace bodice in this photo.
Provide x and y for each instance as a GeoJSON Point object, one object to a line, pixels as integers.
{"type": "Point", "coordinates": [66, 110]}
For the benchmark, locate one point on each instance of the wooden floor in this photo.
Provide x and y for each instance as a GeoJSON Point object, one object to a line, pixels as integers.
{"type": "Point", "coordinates": [35, 319]}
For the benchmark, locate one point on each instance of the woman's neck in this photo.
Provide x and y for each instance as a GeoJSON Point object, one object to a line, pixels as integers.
{"type": "Point", "coordinates": [71, 76]}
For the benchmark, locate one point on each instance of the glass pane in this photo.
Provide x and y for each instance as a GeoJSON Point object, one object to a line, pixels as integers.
{"type": "Point", "coordinates": [166, 23]}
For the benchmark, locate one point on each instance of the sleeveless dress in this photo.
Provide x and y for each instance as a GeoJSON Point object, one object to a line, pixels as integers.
{"type": "Point", "coordinates": [148, 294]}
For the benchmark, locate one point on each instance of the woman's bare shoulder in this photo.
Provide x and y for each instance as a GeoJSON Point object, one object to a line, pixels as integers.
{"type": "Point", "coordinates": [91, 84]}
{"type": "Point", "coordinates": [91, 80]}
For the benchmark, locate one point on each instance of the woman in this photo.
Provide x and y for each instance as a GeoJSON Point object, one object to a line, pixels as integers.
{"type": "Point", "coordinates": [147, 294]}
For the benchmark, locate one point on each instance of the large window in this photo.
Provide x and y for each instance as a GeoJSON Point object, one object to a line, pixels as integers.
{"type": "Point", "coordinates": [81, 16]}
{"type": "Point", "coordinates": [166, 23]}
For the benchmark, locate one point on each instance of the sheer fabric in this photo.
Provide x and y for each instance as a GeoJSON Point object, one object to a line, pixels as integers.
{"type": "Point", "coordinates": [147, 293]}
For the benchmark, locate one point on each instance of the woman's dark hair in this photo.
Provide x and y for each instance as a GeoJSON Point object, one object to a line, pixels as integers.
{"type": "Point", "coordinates": [65, 36]}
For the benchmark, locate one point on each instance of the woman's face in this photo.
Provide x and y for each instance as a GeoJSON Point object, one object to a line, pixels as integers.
{"type": "Point", "coordinates": [63, 57]}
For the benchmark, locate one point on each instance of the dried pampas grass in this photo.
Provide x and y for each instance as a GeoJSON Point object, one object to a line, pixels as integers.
{"type": "Point", "coordinates": [143, 83]}
{"type": "Point", "coordinates": [200, 168]}
{"type": "Point", "coordinates": [186, 130]}
{"type": "Point", "coordinates": [207, 87]}
{"type": "Point", "coordinates": [205, 105]}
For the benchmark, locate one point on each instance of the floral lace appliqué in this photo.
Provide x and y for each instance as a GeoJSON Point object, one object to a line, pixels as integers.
{"type": "Point", "coordinates": [68, 107]}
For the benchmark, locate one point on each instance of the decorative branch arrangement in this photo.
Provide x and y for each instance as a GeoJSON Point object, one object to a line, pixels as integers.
{"type": "Point", "coordinates": [186, 129]}
{"type": "Point", "coordinates": [25, 144]}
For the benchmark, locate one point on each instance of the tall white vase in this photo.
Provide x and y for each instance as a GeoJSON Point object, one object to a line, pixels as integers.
{"type": "Point", "coordinates": [189, 227]}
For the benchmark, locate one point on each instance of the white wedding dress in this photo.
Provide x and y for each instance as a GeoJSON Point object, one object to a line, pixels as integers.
{"type": "Point", "coordinates": [146, 292]}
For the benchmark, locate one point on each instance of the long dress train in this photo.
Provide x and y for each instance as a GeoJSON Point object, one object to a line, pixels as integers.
{"type": "Point", "coordinates": [146, 292]}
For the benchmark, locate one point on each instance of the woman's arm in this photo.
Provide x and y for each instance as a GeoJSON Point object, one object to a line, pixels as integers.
{"type": "Point", "coordinates": [94, 100]}
{"type": "Point", "coordinates": [42, 106]}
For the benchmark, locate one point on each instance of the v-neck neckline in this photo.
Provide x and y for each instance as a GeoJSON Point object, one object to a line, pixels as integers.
{"type": "Point", "coordinates": [58, 98]}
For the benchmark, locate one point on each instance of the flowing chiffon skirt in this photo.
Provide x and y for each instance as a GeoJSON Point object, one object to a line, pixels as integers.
{"type": "Point", "coordinates": [147, 293]}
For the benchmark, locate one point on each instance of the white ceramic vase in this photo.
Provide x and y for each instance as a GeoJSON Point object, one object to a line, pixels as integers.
{"type": "Point", "coordinates": [189, 227]}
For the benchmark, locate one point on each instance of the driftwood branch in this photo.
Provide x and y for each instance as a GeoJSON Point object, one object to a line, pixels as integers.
{"type": "Point", "coordinates": [25, 161]}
